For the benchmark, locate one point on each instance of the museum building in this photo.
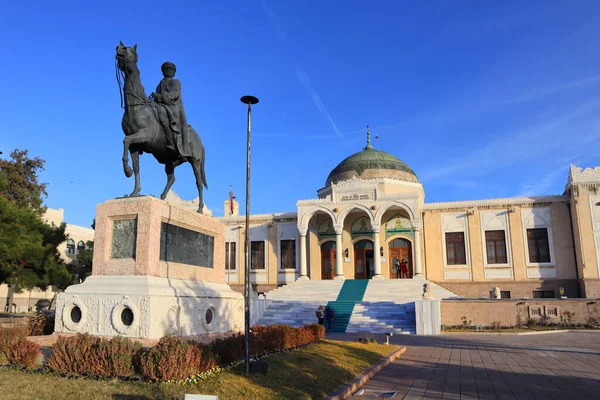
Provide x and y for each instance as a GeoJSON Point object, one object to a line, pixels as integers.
{"type": "Point", "coordinates": [370, 221]}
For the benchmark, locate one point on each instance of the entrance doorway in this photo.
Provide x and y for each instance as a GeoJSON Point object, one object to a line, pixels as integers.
{"type": "Point", "coordinates": [400, 249]}
{"type": "Point", "coordinates": [327, 260]}
{"type": "Point", "coordinates": [364, 260]}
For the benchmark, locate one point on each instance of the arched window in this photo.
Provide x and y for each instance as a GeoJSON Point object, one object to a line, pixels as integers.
{"type": "Point", "coordinates": [399, 243]}
{"type": "Point", "coordinates": [70, 246]}
{"type": "Point", "coordinates": [80, 245]}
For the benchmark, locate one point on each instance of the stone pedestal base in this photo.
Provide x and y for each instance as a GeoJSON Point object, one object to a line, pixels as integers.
{"type": "Point", "coordinates": [148, 307]}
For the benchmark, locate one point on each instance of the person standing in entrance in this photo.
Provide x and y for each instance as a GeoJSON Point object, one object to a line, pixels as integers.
{"type": "Point", "coordinates": [397, 268]}
{"type": "Point", "coordinates": [320, 315]}
{"type": "Point", "coordinates": [404, 268]}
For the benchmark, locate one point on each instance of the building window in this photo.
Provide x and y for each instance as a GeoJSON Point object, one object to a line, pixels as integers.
{"type": "Point", "coordinates": [504, 294]}
{"type": "Point", "coordinates": [543, 294]}
{"type": "Point", "coordinates": [230, 258]}
{"type": "Point", "coordinates": [257, 251]}
{"type": "Point", "coordinates": [539, 250]}
{"type": "Point", "coordinates": [455, 248]}
{"type": "Point", "coordinates": [495, 243]}
{"type": "Point", "coordinates": [288, 254]}
{"type": "Point", "coordinates": [70, 246]}
{"type": "Point", "coordinates": [80, 245]}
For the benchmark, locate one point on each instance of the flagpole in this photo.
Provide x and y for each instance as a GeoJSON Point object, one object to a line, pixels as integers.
{"type": "Point", "coordinates": [247, 100]}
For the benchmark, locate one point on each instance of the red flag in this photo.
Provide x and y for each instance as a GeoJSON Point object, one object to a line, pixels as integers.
{"type": "Point", "coordinates": [231, 197]}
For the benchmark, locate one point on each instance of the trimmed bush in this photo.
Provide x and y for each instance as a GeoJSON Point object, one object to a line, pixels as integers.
{"type": "Point", "coordinates": [229, 349]}
{"type": "Point", "coordinates": [24, 353]}
{"type": "Point", "coordinates": [8, 338]}
{"type": "Point", "coordinates": [40, 324]}
{"type": "Point", "coordinates": [171, 358]}
{"type": "Point", "coordinates": [86, 354]}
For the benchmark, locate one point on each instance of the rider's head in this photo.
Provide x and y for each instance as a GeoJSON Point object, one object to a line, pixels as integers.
{"type": "Point", "coordinates": [168, 69]}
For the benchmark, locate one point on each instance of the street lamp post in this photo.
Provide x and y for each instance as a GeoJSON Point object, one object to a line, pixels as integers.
{"type": "Point", "coordinates": [247, 100]}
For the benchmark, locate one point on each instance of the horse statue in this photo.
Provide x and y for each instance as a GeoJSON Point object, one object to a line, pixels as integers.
{"type": "Point", "coordinates": [144, 131]}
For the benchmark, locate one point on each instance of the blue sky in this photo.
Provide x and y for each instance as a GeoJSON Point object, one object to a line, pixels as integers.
{"type": "Point", "coordinates": [449, 88]}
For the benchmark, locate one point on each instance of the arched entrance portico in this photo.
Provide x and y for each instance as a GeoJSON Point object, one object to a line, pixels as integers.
{"type": "Point", "coordinates": [328, 255]}
{"type": "Point", "coordinates": [400, 249]}
{"type": "Point", "coordinates": [364, 259]}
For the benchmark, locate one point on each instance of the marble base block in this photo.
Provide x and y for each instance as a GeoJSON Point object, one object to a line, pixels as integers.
{"type": "Point", "coordinates": [148, 307]}
{"type": "Point", "coordinates": [428, 317]}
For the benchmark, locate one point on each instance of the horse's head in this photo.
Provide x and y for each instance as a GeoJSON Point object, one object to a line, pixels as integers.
{"type": "Point", "coordinates": [126, 55]}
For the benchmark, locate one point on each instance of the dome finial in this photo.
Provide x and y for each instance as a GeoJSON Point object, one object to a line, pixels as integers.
{"type": "Point", "coordinates": [368, 138]}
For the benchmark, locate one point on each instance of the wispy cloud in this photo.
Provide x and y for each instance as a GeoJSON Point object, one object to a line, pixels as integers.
{"type": "Point", "coordinates": [304, 78]}
{"type": "Point", "coordinates": [463, 110]}
{"type": "Point", "coordinates": [300, 73]}
{"type": "Point", "coordinates": [516, 147]}
{"type": "Point", "coordinates": [542, 185]}
{"type": "Point", "coordinates": [552, 90]}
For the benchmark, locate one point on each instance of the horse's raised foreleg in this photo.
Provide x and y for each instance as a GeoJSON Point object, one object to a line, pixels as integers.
{"type": "Point", "coordinates": [170, 171]}
{"type": "Point", "coordinates": [126, 167]}
{"type": "Point", "coordinates": [135, 160]}
{"type": "Point", "coordinates": [137, 138]}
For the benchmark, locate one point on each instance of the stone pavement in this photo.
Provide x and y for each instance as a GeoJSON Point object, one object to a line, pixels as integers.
{"type": "Point", "coordinates": [462, 366]}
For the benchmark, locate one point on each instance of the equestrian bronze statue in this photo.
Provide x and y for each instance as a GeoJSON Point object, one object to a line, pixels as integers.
{"type": "Point", "coordinates": [156, 124]}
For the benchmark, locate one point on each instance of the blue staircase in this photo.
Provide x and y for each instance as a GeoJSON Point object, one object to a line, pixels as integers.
{"type": "Point", "coordinates": [352, 292]}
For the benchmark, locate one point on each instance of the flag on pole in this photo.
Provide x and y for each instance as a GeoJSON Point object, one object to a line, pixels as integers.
{"type": "Point", "coordinates": [231, 197]}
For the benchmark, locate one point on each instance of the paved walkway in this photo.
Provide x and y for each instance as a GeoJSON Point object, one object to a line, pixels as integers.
{"type": "Point", "coordinates": [548, 366]}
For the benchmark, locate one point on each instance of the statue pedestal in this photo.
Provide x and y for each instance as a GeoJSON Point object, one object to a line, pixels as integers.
{"type": "Point", "coordinates": [158, 269]}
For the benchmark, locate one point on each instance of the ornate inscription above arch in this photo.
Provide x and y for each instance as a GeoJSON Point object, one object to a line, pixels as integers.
{"type": "Point", "coordinates": [326, 229]}
{"type": "Point", "coordinates": [361, 227]}
{"type": "Point", "coordinates": [398, 224]}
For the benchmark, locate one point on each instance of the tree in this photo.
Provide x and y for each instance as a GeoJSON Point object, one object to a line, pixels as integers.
{"type": "Point", "coordinates": [29, 254]}
{"type": "Point", "coordinates": [20, 184]}
{"type": "Point", "coordinates": [82, 265]}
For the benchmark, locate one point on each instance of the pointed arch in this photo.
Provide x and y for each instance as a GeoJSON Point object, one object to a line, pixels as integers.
{"type": "Point", "coordinates": [352, 207]}
{"type": "Point", "coordinates": [396, 203]}
{"type": "Point", "coordinates": [312, 211]}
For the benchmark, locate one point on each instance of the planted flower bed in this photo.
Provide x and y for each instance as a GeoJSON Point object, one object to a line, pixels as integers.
{"type": "Point", "coordinates": [172, 359]}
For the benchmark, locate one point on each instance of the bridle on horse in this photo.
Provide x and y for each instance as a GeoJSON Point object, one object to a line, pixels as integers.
{"type": "Point", "coordinates": [120, 79]}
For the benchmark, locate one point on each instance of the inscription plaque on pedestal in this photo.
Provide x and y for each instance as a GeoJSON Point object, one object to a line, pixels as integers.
{"type": "Point", "coordinates": [185, 246]}
{"type": "Point", "coordinates": [124, 236]}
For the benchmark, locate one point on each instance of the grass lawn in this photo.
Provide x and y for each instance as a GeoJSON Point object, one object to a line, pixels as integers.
{"type": "Point", "coordinates": [310, 373]}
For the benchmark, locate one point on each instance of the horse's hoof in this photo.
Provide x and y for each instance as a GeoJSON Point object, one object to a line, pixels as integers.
{"type": "Point", "coordinates": [128, 172]}
{"type": "Point", "coordinates": [199, 211]}
{"type": "Point", "coordinates": [134, 194]}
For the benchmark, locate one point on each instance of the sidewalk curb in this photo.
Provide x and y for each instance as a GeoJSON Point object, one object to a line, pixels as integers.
{"type": "Point", "coordinates": [347, 389]}
{"type": "Point", "coordinates": [522, 333]}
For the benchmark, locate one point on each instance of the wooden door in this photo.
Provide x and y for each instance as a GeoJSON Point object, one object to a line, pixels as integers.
{"type": "Point", "coordinates": [406, 253]}
{"type": "Point", "coordinates": [360, 264]}
{"type": "Point", "coordinates": [327, 263]}
{"type": "Point", "coordinates": [399, 250]}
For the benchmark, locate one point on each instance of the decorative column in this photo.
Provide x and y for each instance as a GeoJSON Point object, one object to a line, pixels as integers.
{"type": "Point", "coordinates": [303, 268]}
{"type": "Point", "coordinates": [377, 253]}
{"type": "Point", "coordinates": [418, 270]}
{"type": "Point", "coordinates": [339, 254]}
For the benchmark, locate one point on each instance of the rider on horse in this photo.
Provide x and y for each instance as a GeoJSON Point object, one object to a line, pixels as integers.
{"type": "Point", "coordinates": [171, 112]}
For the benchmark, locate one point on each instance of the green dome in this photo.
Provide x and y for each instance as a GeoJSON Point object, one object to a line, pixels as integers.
{"type": "Point", "coordinates": [371, 163]}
